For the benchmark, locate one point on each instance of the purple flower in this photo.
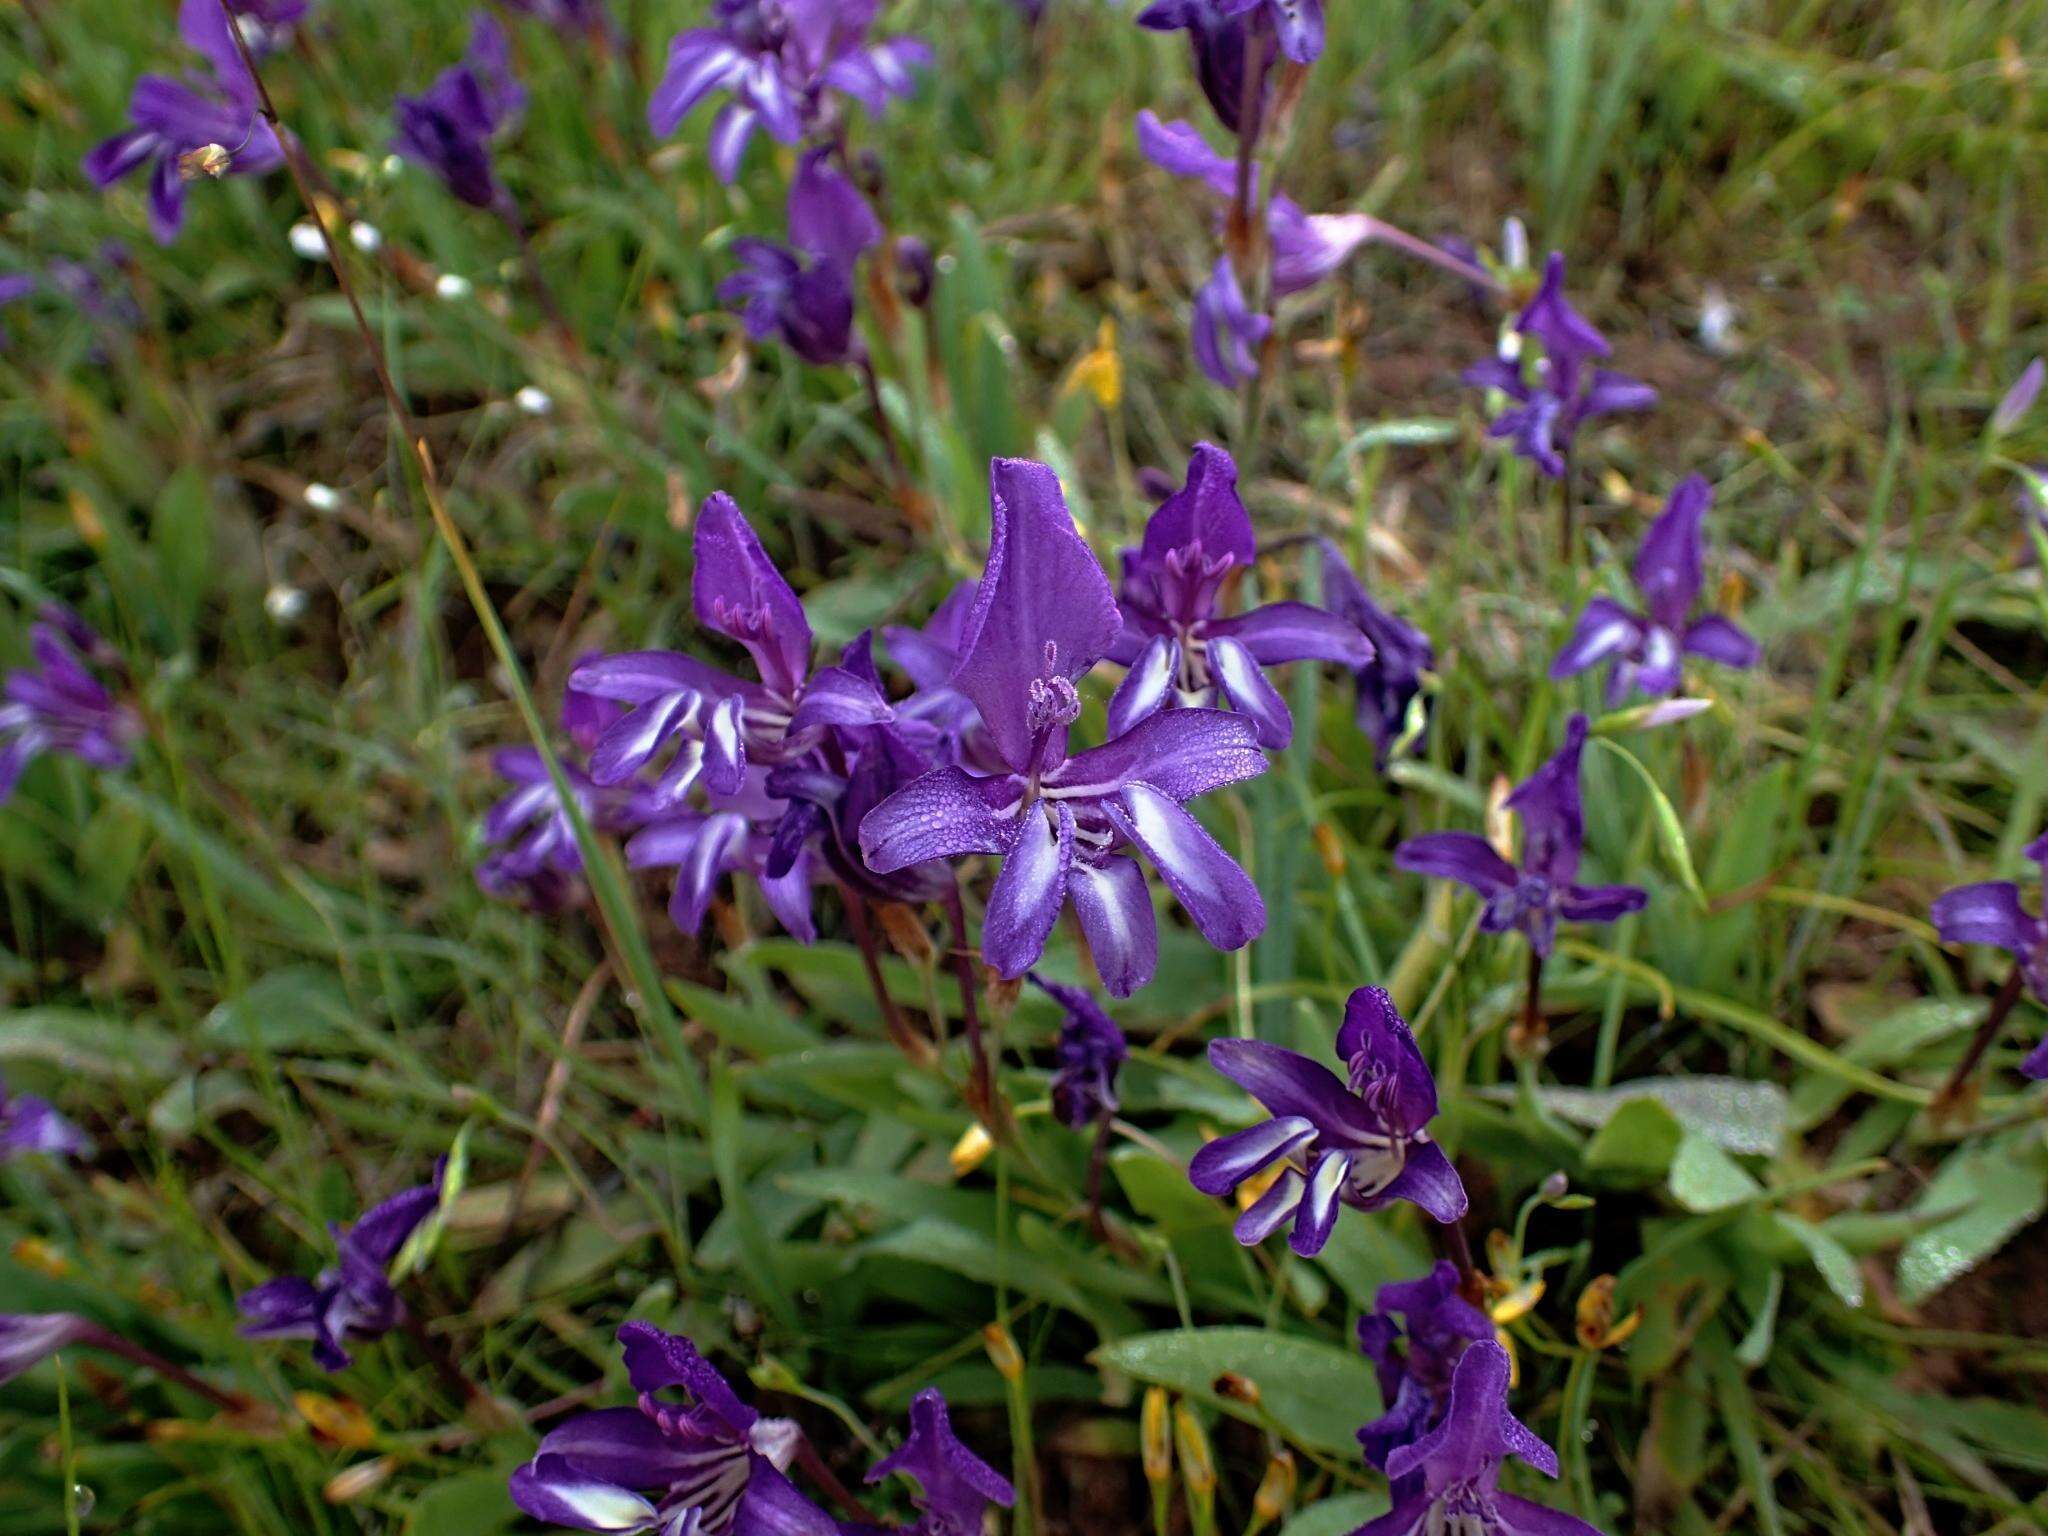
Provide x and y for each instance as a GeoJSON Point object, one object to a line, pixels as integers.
{"type": "Point", "coordinates": [448, 128]}
{"type": "Point", "coordinates": [1181, 651]}
{"type": "Point", "coordinates": [1042, 616]}
{"type": "Point", "coordinates": [57, 705]}
{"type": "Point", "coordinates": [353, 1298]}
{"type": "Point", "coordinates": [954, 1486]}
{"type": "Point", "coordinates": [541, 863]}
{"type": "Point", "coordinates": [1534, 897]}
{"type": "Point", "coordinates": [779, 60]}
{"type": "Point", "coordinates": [1993, 913]}
{"type": "Point", "coordinates": [1389, 683]}
{"type": "Point", "coordinates": [172, 118]}
{"type": "Point", "coordinates": [804, 296]}
{"type": "Point", "coordinates": [701, 1467]}
{"type": "Point", "coordinates": [1554, 392]}
{"type": "Point", "coordinates": [1090, 1051]}
{"type": "Point", "coordinates": [1217, 35]}
{"type": "Point", "coordinates": [1416, 1362]}
{"type": "Point", "coordinates": [1226, 335]}
{"type": "Point", "coordinates": [85, 285]}
{"type": "Point", "coordinates": [31, 1124]}
{"type": "Point", "coordinates": [29, 1338]}
{"type": "Point", "coordinates": [266, 25]}
{"type": "Point", "coordinates": [1449, 1479]}
{"type": "Point", "coordinates": [1364, 1145]}
{"type": "Point", "coordinates": [714, 725]}
{"type": "Point", "coordinates": [1645, 649]}
{"type": "Point", "coordinates": [589, 19]}
{"type": "Point", "coordinates": [2017, 401]}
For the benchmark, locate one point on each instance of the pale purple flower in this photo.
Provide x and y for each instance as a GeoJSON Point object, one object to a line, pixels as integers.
{"type": "Point", "coordinates": [704, 1466]}
{"type": "Point", "coordinates": [780, 61]}
{"type": "Point", "coordinates": [1388, 684]}
{"type": "Point", "coordinates": [1416, 1357]}
{"type": "Point", "coordinates": [1533, 898]}
{"type": "Point", "coordinates": [171, 118]}
{"type": "Point", "coordinates": [1218, 36]}
{"type": "Point", "coordinates": [32, 1124]}
{"type": "Point", "coordinates": [802, 293]}
{"type": "Point", "coordinates": [1993, 912]}
{"type": "Point", "coordinates": [1090, 1052]}
{"type": "Point", "coordinates": [57, 705]}
{"type": "Point", "coordinates": [2018, 400]}
{"type": "Point", "coordinates": [1183, 652]}
{"type": "Point", "coordinates": [448, 128]}
{"type": "Point", "coordinates": [1364, 1144]}
{"type": "Point", "coordinates": [352, 1299]}
{"type": "Point", "coordinates": [1448, 1481]}
{"type": "Point", "coordinates": [540, 863]}
{"type": "Point", "coordinates": [1553, 390]}
{"type": "Point", "coordinates": [29, 1338]}
{"type": "Point", "coordinates": [954, 1486]}
{"type": "Point", "coordinates": [1043, 615]}
{"type": "Point", "coordinates": [733, 834]}
{"type": "Point", "coordinates": [1645, 651]}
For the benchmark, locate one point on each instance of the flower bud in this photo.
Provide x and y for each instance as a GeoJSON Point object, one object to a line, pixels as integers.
{"type": "Point", "coordinates": [351, 1483]}
{"type": "Point", "coordinates": [207, 162]}
{"type": "Point", "coordinates": [1001, 1345]}
{"type": "Point", "coordinates": [1155, 1438]}
{"type": "Point", "coordinates": [1276, 1491]}
{"type": "Point", "coordinates": [971, 1150]}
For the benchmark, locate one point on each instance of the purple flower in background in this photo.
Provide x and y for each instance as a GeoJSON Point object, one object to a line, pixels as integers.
{"type": "Point", "coordinates": [1544, 889]}
{"type": "Point", "coordinates": [1645, 650]}
{"type": "Point", "coordinates": [448, 128]}
{"type": "Point", "coordinates": [954, 1486]}
{"type": "Point", "coordinates": [1091, 1049]}
{"type": "Point", "coordinates": [353, 1298]}
{"type": "Point", "coordinates": [1364, 1145]}
{"type": "Point", "coordinates": [590, 19]}
{"type": "Point", "coordinates": [1042, 616]}
{"type": "Point", "coordinates": [1226, 335]}
{"type": "Point", "coordinates": [1449, 1479]}
{"type": "Point", "coordinates": [735, 834]}
{"type": "Point", "coordinates": [1181, 651]}
{"type": "Point", "coordinates": [86, 285]}
{"type": "Point", "coordinates": [31, 1124]}
{"type": "Point", "coordinates": [2013, 406]}
{"type": "Point", "coordinates": [267, 25]}
{"type": "Point", "coordinates": [780, 61]}
{"type": "Point", "coordinates": [1217, 35]}
{"type": "Point", "coordinates": [804, 295]}
{"type": "Point", "coordinates": [1993, 912]}
{"type": "Point", "coordinates": [1555, 393]}
{"type": "Point", "coordinates": [173, 118]}
{"type": "Point", "coordinates": [1416, 1362]}
{"type": "Point", "coordinates": [1391, 681]}
{"type": "Point", "coordinates": [29, 1338]}
{"type": "Point", "coordinates": [541, 863]}
{"type": "Point", "coordinates": [56, 704]}
{"type": "Point", "coordinates": [702, 1467]}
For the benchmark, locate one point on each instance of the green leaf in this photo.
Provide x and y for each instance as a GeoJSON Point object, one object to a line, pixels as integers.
{"type": "Point", "coordinates": [1317, 1394]}
{"type": "Point", "coordinates": [181, 547]}
{"type": "Point", "coordinates": [467, 1504]}
{"type": "Point", "coordinates": [979, 1257]}
{"type": "Point", "coordinates": [1734, 1113]}
{"type": "Point", "coordinates": [1337, 1517]}
{"type": "Point", "coordinates": [1705, 1178]}
{"type": "Point", "coordinates": [88, 1043]}
{"type": "Point", "coordinates": [1995, 1187]}
{"type": "Point", "coordinates": [1836, 1264]}
{"type": "Point", "coordinates": [1639, 1139]}
{"type": "Point", "coordinates": [297, 1008]}
{"type": "Point", "coordinates": [1664, 819]}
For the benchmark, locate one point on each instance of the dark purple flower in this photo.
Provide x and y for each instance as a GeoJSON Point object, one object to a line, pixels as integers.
{"type": "Point", "coordinates": [917, 274]}
{"type": "Point", "coordinates": [267, 25]}
{"type": "Point", "coordinates": [1448, 1481]}
{"type": "Point", "coordinates": [702, 1467]}
{"type": "Point", "coordinates": [1090, 1051]}
{"type": "Point", "coordinates": [353, 1298]}
{"type": "Point", "coordinates": [1042, 616]}
{"type": "Point", "coordinates": [448, 128]}
{"type": "Point", "coordinates": [1226, 335]}
{"type": "Point", "coordinates": [540, 864]}
{"type": "Point", "coordinates": [57, 705]}
{"type": "Point", "coordinates": [780, 61]}
{"type": "Point", "coordinates": [1416, 1362]}
{"type": "Point", "coordinates": [172, 118]}
{"type": "Point", "coordinates": [29, 1338]}
{"type": "Point", "coordinates": [802, 294]}
{"type": "Point", "coordinates": [954, 1486]}
{"type": "Point", "coordinates": [1544, 889]}
{"type": "Point", "coordinates": [1391, 681]}
{"type": "Point", "coordinates": [590, 20]}
{"type": "Point", "coordinates": [714, 726]}
{"type": "Point", "coordinates": [1217, 36]}
{"type": "Point", "coordinates": [1645, 650]}
{"type": "Point", "coordinates": [31, 1124]}
{"type": "Point", "coordinates": [1993, 912]}
{"type": "Point", "coordinates": [1181, 650]}
{"type": "Point", "coordinates": [1364, 1145]}
{"type": "Point", "coordinates": [1553, 390]}
{"type": "Point", "coordinates": [1297, 25]}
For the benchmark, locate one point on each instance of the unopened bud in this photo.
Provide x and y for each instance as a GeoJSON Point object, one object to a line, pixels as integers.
{"type": "Point", "coordinates": [1597, 1328]}
{"type": "Point", "coordinates": [1155, 1436]}
{"type": "Point", "coordinates": [1330, 849]}
{"type": "Point", "coordinates": [1197, 1467]}
{"type": "Point", "coordinates": [306, 242]}
{"type": "Point", "coordinates": [1554, 1186]}
{"type": "Point", "coordinates": [1002, 1352]}
{"type": "Point", "coordinates": [1276, 1491]}
{"type": "Point", "coordinates": [971, 1150]}
{"type": "Point", "coordinates": [207, 162]}
{"type": "Point", "coordinates": [351, 1483]}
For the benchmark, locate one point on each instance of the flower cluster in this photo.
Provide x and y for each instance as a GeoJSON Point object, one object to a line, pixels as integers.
{"type": "Point", "coordinates": [56, 704]}
{"type": "Point", "coordinates": [802, 293]}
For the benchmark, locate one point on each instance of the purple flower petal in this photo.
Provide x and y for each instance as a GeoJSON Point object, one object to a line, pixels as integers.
{"type": "Point", "coordinates": [1221, 1165]}
{"type": "Point", "coordinates": [1605, 630]}
{"type": "Point", "coordinates": [554, 1491]}
{"type": "Point", "coordinates": [1721, 639]}
{"type": "Point", "coordinates": [1272, 1208]}
{"type": "Point", "coordinates": [1429, 1180]}
{"type": "Point", "coordinates": [1145, 688]}
{"type": "Point", "coordinates": [936, 817]}
{"type": "Point", "coordinates": [618, 1445]}
{"type": "Point", "coordinates": [1207, 882]}
{"type": "Point", "coordinates": [1600, 903]}
{"type": "Point", "coordinates": [1464, 857]}
{"type": "Point", "coordinates": [1986, 913]}
{"type": "Point", "coordinates": [1668, 567]}
{"type": "Point", "coordinates": [1286, 1082]}
{"type": "Point", "coordinates": [1028, 893]}
{"type": "Point", "coordinates": [838, 697]}
{"type": "Point", "coordinates": [1178, 147]}
{"type": "Point", "coordinates": [827, 214]}
{"type": "Point", "coordinates": [1205, 512]}
{"type": "Point", "coordinates": [738, 592]}
{"type": "Point", "coordinates": [1553, 818]}
{"type": "Point", "coordinates": [1115, 912]}
{"type": "Point", "coordinates": [1181, 753]}
{"type": "Point", "coordinates": [1281, 632]}
{"type": "Point", "coordinates": [1244, 683]}
{"type": "Point", "coordinates": [656, 1361]}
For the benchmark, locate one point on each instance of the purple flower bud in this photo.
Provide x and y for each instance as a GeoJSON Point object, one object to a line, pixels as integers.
{"type": "Point", "coordinates": [2018, 400]}
{"type": "Point", "coordinates": [1217, 36]}
{"type": "Point", "coordinates": [57, 705]}
{"type": "Point", "coordinates": [31, 1124]}
{"type": "Point", "coordinates": [448, 128]}
{"type": "Point", "coordinates": [1544, 889]}
{"type": "Point", "coordinates": [803, 296]}
{"type": "Point", "coordinates": [954, 1486]}
{"type": "Point", "coordinates": [29, 1338]}
{"type": "Point", "coordinates": [1994, 912]}
{"type": "Point", "coordinates": [1091, 1049]}
{"type": "Point", "coordinates": [1364, 1144]}
{"type": "Point", "coordinates": [1226, 334]}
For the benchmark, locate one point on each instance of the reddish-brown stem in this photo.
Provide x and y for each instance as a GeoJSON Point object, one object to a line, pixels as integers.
{"type": "Point", "coordinates": [1098, 1158]}
{"type": "Point", "coordinates": [113, 1344]}
{"type": "Point", "coordinates": [529, 260]}
{"type": "Point", "coordinates": [814, 1467]}
{"type": "Point", "coordinates": [905, 1039]}
{"type": "Point", "coordinates": [981, 1080]}
{"type": "Point", "coordinates": [2001, 1006]}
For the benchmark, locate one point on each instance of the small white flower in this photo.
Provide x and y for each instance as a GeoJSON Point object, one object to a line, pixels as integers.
{"type": "Point", "coordinates": [1717, 323]}
{"type": "Point", "coordinates": [452, 285]}
{"type": "Point", "coordinates": [322, 498]}
{"type": "Point", "coordinates": [305, 241]}
{"type": "Point", "coordinates": [368, 237]}
{"type": "Point", "coordinates": [393, 164]}
{"type": "Point", "coordinates": [285, 604]}
{"type": "Point", "coordinates": [1514, 245]}
{"type": "Point", "coordinates": [534, 400]}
